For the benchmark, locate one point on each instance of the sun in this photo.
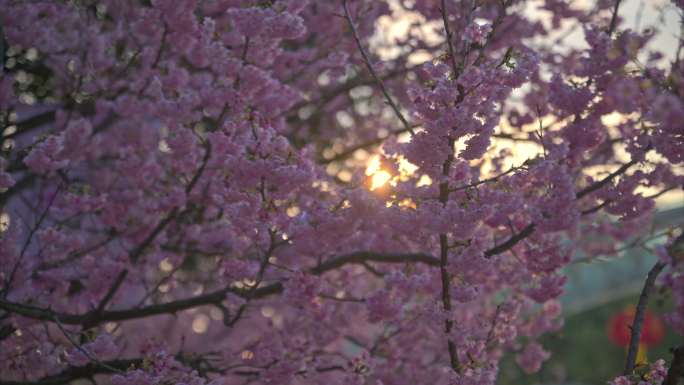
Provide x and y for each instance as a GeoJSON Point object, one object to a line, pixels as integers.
{"type": "Point", "coordinates": [379, 179]}
{"type": "Point", "coordinates": [378, 176]}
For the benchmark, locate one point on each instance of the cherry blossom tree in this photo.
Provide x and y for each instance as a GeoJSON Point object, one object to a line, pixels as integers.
{"type": "Point", "coordinates": [184, 197]}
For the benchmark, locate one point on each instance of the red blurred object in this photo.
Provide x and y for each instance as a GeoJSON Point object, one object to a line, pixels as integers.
{"type": "Point", "coordinates": [619, 328]}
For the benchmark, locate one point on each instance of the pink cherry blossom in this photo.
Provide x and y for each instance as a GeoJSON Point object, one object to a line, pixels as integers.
{"type": "Point", "coordinates": [185, 186]}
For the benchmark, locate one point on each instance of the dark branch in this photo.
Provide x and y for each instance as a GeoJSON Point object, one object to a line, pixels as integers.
{"type": "Point", "coordinates": [638, 322]}
{"type": "Point", "coordinates": [366, 256]}
{"type": "Point", "coordinates": [443, 261]}
{"type": "Point", "coordinates": [33, 122]}
{"type": "Point", "coordinates": [135, 254]}
{"type": "Point", "coordinates": [79, 372]}
{"type": "Point", "coordinates": [94, 318]}
{"type": "Point", "coordinates": [351, 150]}
{"type": "Point", "coordinates": [613, 19]}
{"type": "Point", "coordinates": [529, 229]}
{"type": "Point", "coordinates": [512, 241]}
{"type": "Point", "coordinates": [595, 186]}
{"type": "Point", "coordinates": [449, 37]}
{"type": "Point", "coordinates": [676, 370]}
{"type": "Point", "coordinates": [488, 180]}
{"type": "Point", "coordinates": [24, 248]}
{"type": "Point", "coordinates": [375, 76]}
{"type": "Point", "coordinates": [112, 290]}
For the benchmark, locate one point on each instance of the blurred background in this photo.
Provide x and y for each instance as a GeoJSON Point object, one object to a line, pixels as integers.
{"type": "Point", "coordinates": [600, 290]}
{"type": "Point", "coordinates": [597, 295]}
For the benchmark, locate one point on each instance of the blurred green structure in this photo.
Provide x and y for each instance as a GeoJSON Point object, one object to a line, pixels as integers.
{"type": "Point", "coordinates": [595, 291]}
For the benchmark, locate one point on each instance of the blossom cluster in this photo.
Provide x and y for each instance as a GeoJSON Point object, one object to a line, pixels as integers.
{"type": "Point", "coordinates": [181, 198]}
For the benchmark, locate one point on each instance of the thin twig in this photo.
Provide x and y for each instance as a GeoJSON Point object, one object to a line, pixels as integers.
{"type": "Point", "coordinates": [492, 327]}
{"type": "Point", "coordinates": [85, 351]}
{"type": "Point", "coordinates": [639, 242]}
{"type": "Point", "coordinates": [250, 294]}
{"type": "Point", "coordinates": [342, 299]}
{"type": "Point", "coordinates": [112, 290]}
{"type": "Point", "coordinates": [35, 228]}
{"type": "Point", "coordinates": [488, 180]}
{"type": "Point", "coordinates": [449, 37]}
{"type": "Point", "coordinates": [243, 59]}
{"type": "Point", "coordinates": [375, 76]}
{"type": "Point", "coordinates": [136, 252]}
{"type": "Point", "coordinates": [613, 19]}
{"type": "Point", "coordinates": [159, 284]}
{"type": "Point", "coordinates": [351, 150]}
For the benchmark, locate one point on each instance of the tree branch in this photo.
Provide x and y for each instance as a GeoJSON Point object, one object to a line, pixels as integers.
{"type": "Point", "coordinates": [512, 241]}
{"type": "Point", "coordinates": [450, 44]}
{"type": "Point", "coordinates": [676, 370]}
{"type": "Point", "coordinates": [375, 76]}
{"type": "Point", "coordinates": [32, 122]}
{"type": "Point", "coordinates": [79, 372]}
{"type": "Point", "coordinates": [595, 186]}
{"type": "Point", "coordinates": [367, 256]}
{"type": "Point", "coordinates": [529, 229]}
{"type": "Point", "coordinates": [94, 318]}
{"type": "Point", "coordinates": [492, 179]}
{"type": "Point", "coordinates": [639, 315]}
{"type": "Point", "coordinates": [443, 261]}
{"type": "Point", "coordinates": [613, 19]}
{"type": "Point", "coordinates": [24, 248]}
{"type": "Point", "coordinates": [138, 250]}
{"type": "Point", "coordinates": [351, 150]}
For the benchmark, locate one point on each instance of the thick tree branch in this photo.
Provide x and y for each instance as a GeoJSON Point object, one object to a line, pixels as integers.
{"type": "Point", "coordinates": [89, 371]}
{"type": "Point", "coordinates": [94, 318]}
{"type": "Point", "coordinates": [443, 261]}
{"type": "Point", "coordinates": [79, 372]}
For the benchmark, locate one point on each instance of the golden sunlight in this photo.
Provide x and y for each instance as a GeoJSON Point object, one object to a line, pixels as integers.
{"type": "Point", "coordinates": [4, 222]}
{"type": "Point", "coordinates": [378, 176]}
{"type": "Point", "coordinates": [379, 179]}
